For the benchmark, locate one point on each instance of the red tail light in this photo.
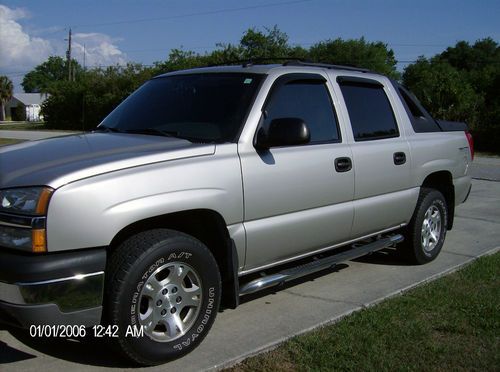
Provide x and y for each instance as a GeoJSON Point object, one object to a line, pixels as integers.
{"type": "Point", "coordinates": [471, 144]}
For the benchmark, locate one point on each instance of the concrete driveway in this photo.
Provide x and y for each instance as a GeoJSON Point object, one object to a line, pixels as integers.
{"type": "Point", "coordinates": [271, 317]}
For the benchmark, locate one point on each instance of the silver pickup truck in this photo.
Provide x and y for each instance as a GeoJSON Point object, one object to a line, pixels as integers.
{"type": "Point", "coordinates": [209, 184]}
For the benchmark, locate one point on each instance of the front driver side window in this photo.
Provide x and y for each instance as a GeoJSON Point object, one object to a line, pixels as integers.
{"type": "Point", "coordinates": [308, 100]}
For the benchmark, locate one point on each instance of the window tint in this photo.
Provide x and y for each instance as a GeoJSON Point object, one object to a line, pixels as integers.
{"type": "Point", "coordinates": [420, 119]}
{"type": "Point", "coordinates": [412, 106]}
{"type": "Point", "coordinates": [205, 107]}
{"type": "Point", "coordinates": [370, 111]}
{"type": "Point", "coordinates": [309, 101]}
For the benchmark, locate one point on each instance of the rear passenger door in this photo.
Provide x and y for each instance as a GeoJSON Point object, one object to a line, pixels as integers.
{"type": "Point", "coordinates": [295, 201]}
{"type": "Point", "coordinates": [381, 160]}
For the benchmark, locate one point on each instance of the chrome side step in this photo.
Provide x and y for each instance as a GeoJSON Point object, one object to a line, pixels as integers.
{"type": "Point", "coordinates": [318, 265]}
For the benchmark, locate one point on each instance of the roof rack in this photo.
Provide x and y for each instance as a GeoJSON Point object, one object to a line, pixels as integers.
{"type": "Point", "coordinates": [252, 61]}
{"type": "Point", "coordinates": [324, 65]}
{"type": "Point", "coordinates": [289, 61]}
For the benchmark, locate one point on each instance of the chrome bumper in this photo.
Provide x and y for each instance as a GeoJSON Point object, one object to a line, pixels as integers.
{"type": "Point", "coordinates": [69, 294]}
{"type": "Point", "coordinates": [64, 288]}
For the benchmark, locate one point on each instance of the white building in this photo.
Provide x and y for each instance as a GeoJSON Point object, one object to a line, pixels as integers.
{"type": "Point", "coordinates": [29, 103]}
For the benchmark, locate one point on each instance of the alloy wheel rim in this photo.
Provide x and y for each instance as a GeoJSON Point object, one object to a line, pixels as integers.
{"type": "Point", "coordinates": [431, 229]}
{"type": "Point", "coordinates": [170, 301]}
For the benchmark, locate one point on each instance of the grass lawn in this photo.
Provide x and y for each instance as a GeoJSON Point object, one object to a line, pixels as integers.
{"type": "Point", "coordinates": [8, 141]}
{"type": "Point", "coordinates": [452, 324]}
{"type": "Point", "coordinates": [23, 126]}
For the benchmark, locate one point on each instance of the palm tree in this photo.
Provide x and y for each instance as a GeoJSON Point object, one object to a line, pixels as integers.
{"type": "Point", "coordinates": [6, 89]}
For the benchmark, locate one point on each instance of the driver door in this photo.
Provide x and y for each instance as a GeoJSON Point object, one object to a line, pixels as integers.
{"type": "Point", "coordinates": [295, 200]}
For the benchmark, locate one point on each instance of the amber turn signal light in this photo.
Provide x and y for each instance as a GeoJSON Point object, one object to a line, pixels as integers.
{"type": "Point", "coordinates": [43, 200]}
{"type": "Point", "coordinates": [39, 241]}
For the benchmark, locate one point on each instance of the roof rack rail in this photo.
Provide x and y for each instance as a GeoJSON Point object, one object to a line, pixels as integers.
{"type": "Point", "coordinates": [252, 61]}
{"type": "Point", "coordinates": [324, 65]}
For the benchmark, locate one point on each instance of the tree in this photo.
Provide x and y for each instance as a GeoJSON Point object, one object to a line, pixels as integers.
{"type": "Point", "coordinates": [6, 90]}
{"type": "Point", "coordinates": [256, 44]}
{"type": "Point", "coordinates": [83, 105]}
{"type": "Point", "coordinates": [103, 89]}
{"type": "Point", "coordinates": [462, 83]}
{"type": "Point", "coordinates": [480, 65]}
{"type": "Point", "coordinates": [374, 56]}
{"type": "Point", "coordinates": [442, 90]}
{"type": "Point", "coordinates": [54, 69]}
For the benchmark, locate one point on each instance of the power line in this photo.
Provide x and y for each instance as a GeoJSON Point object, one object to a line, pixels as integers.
{"type": "Point", "coordinates": [183, 47]}
{"type": "Point", "coordinates": [210, 12]}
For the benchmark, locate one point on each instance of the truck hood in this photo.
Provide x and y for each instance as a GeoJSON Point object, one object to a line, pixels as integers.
{"type": "Point", "coordinates": [57, 161]}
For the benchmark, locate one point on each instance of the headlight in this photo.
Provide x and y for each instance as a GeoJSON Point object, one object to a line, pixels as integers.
{"type": "Point", "coordinates": [23, 218]}
{"type": "Point", "coordinates": [12, 237]}
{"type": "Point", "coordinates": [29, 200]}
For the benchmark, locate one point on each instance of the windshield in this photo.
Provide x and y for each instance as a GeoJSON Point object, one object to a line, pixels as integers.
{"type": "Point", "coordinates": [200, 107]}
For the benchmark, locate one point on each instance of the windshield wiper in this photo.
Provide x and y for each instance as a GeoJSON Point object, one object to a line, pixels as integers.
{"type": "Point", "coordinates": [153, 131]}
{"type": "Point", "coordinates": [103, 128]}
{"type": "Point", "coordinates": [159, 132]}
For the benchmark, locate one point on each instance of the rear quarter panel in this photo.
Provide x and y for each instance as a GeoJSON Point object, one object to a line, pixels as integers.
{"type": "Point", "coordinates": [438, 151]}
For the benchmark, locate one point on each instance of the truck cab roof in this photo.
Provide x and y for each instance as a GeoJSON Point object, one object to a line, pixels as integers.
{"type": "Point", "coordinates": [249, 67]}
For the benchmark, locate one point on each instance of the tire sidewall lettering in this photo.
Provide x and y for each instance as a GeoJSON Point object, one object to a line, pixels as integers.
{"type": "Point", "coordinates": [204, 321]}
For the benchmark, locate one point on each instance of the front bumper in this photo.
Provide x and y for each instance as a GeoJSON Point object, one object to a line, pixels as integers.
{"type": "Point", "coordinates": [51, 289]}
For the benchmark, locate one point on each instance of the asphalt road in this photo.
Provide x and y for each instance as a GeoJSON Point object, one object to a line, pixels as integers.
{"type": "Point", "coordinates": [30, 135]}
{"type": "Point", "coordinates": [271, 317]}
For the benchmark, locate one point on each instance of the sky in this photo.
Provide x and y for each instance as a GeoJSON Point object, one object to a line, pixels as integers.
{"type": "Point", "coordinates": [119, 31]}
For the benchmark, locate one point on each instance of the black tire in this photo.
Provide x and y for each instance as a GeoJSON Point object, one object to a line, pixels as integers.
{"type": "Point", "coordinates": [132, 269]}
{"type": "Point", "coordinates": [414, 247]}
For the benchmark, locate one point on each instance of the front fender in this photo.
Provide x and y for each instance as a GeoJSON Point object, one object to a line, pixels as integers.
{"type": "Point", "coordinates": [90, 212]}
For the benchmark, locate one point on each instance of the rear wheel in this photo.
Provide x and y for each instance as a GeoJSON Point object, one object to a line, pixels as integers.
{"type": "Point", "coordinates": [165, 284]}
{"type": "Point", "coordinates": [426, 232]}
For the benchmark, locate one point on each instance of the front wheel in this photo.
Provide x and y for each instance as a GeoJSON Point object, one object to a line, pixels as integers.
{"type": "Point", "coordinates": [164, 286]}
{"type": "Point", "coordinates": [425, 234]}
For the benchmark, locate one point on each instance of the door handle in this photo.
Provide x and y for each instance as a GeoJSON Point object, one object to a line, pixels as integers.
{"type": "Point", "coordinates": [399, 158]}
{"type": "Point", "coordinates": [343, 164]}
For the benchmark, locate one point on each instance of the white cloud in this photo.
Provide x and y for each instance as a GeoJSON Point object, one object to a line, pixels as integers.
{"type": "Point", "coordinates": [22, 49]}
{"type": "Point", "coordinates": [18, 49]}
{"type": "Point", "coordinates": [100, 49]}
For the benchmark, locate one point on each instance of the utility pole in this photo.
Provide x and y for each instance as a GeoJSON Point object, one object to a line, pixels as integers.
{"type": "Point", "coordinates": [68, 57]}
{"type": "Point", "coordinates": [83, 98]}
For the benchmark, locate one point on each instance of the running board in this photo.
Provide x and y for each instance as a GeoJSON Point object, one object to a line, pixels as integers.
{"type": "Point", "coordinates": [318, 265]}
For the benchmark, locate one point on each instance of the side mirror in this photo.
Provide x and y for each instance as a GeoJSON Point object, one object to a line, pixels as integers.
{"type": "Point", "coordinates": [284, 132]}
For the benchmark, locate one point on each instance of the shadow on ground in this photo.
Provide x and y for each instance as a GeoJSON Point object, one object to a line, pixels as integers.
{"type": "Point", "coordinates": [388, 256]}
{"type": "Point", "coordinates": [88, 351]}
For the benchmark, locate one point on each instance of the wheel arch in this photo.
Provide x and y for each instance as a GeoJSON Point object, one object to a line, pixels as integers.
{"type": "Point", "coordinates": [210, 228]}
{"type": "Point", "coordinates": [443, 182]}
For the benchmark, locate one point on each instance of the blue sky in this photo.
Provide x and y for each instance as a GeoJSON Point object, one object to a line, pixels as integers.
{"type": "Point", "coordinates": [117, 31]}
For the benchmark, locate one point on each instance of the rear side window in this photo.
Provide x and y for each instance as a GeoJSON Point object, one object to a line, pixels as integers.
{"type": "Point", "coordinates": [308, 100]}
{"type": "Point", "coordinates": [370, 111]}
{"type": "Point", "coordinates": [420, 119]}
{"type": "Point", "coordinates": [412, 106]}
